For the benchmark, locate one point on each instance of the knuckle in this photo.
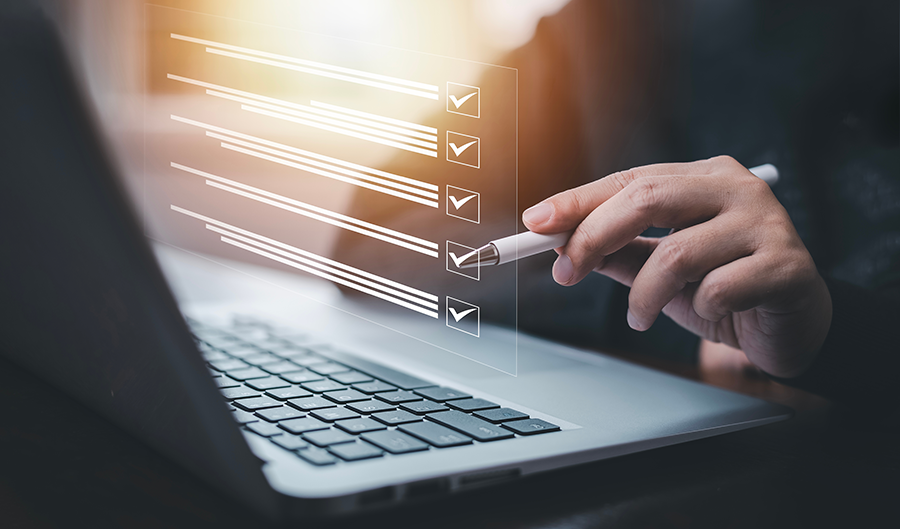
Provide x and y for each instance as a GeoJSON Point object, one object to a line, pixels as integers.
{"type": "Point", "coordinates": [642, 194]}
{"type": "Point", "coordinates": [673, 256]}
{"type": "Point", "coordinates": [714, 298]}
{"type": "Point", "coordinates": [724, 160]}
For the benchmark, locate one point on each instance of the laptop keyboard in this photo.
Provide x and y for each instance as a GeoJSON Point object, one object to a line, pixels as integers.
{"type": "Point", "coordinates": [287, 389]}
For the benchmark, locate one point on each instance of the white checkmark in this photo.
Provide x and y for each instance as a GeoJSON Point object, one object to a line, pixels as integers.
{"type": "Point", "coordinates": [460, 203]}
{"type": "Point", "coordinates": [460, 315]}
{"type": "Point", "coordinates": [459, 102]}
{"type": "Point", "coordinates": [459, 150]}
{"type": "Point", "coordinates": [460, 259]}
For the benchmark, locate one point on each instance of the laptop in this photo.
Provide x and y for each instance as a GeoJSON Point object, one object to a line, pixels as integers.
{"type": "Point", "coordinates": [293, 408]}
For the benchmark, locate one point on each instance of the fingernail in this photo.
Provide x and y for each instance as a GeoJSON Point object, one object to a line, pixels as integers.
{"type": "Point", "coordinates": [632, 321]}
{"type": "Point", "coordinates": [563, 270]}
{"type": "Point", "coordinates": [537, 214]}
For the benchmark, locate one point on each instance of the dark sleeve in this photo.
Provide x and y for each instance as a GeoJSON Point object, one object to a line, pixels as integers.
{"type": "Point", "coordinates": [859, 363]}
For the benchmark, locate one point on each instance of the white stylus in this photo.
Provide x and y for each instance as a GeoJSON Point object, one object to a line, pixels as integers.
{"type": "Point", "coordinates": [528, 243]}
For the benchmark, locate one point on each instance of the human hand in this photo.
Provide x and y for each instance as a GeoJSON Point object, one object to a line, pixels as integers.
{"type": "Point", "coordinates": [735, 271]}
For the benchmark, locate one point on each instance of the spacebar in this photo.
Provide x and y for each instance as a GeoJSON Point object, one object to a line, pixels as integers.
{"type": "Point", "coordinates": [391, 376]}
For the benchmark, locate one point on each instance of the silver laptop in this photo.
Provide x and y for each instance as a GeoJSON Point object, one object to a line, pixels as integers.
{"type": "Point", "coordinates": [276, 387]}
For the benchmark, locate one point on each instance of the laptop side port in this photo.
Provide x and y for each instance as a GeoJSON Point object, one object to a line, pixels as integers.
{"type": "Point", "coordinates": [426, 487]}
{"type": "Point", "coordinates": [488, 478]}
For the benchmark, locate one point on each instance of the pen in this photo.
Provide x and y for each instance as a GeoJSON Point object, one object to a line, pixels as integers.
{"type": "Point", "coordinates": [528, 243]}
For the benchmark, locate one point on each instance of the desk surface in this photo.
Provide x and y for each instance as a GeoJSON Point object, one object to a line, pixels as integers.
{"type": "Point", "coordinates": [63, 464]}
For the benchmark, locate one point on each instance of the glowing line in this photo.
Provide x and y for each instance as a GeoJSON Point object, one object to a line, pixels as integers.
{"type": "Point", "coordinates": [339, 130]}
{"type": "Point", "coordinates": [309, 154]}
{"type": "Point", "coordinates": [325, 268]}
{"type": "Point", "coordinates": [336, 122]}
{"type": "Point", "coordinates": [339, 77]}
{"type": "Point", "coordinates": [309, 255]}
{"type": "Point", "coordinates": [375, 117]}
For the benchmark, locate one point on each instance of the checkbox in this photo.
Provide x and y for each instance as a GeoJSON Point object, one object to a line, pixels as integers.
{"type": "Point", "coordinates": [455, 254]}
{"type": "Point", "coordinates": [464, 99]}
{"type": "Point", "coordinates": [464, 204]}
{"type": "Point", "coordinates": [463, 149]}
{"type": "Point", "coordinates": [463, 317]}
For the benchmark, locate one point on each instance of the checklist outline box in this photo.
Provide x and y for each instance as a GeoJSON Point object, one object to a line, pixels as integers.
{"type": "Point", "coordinates": [460, 271]}
{"type": "Point", "coordinates": [468, 193]}
{"type": "Point", "coordinates": [463, 148]}
{"type": "Point", "coordinates": [477, 333]}
{"type": "Point", "coordinates": [458, 103]}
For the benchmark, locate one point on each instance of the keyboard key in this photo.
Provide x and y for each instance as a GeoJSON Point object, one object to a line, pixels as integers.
{"type": "Point", "coordinates": [298, 377]}
{"type": "Point", "coordinates": [395, 442]}
{"type": "Point", "coordinates": [530, 426]}
{"type": "Point", "coordinates": [317, 456]}
{"type": "Point", "coordinates": [264, 429]}
{"type": "Point", "coordinates": [227, 364]}
{"type": "Point", "coordinates": [239, 393]}
{"type": "Point", "coordinates": [310, 403]}
{"type": "Point", "coordinates": [370, 406]}
{"type": "Point", "coordinates": [442, 394]}
{"type": "Point", "coordinates": [327, 368]}
{"type": "Point", "coordinates": [472, 404]}
{"type": "Point", "coordinates": [263, 384]}
{"type": "Point", "coordinates": [423, 407]}
{"type": "Point", "coordinates": [334, 414]}
{"type": "Point", "coordinates": [355, 451]}
{"type": "Point", "coordinates": [359, 425]}
{"type": "Point", "coordinates": [474, 427]}
{"type": "Point", "coordinates": [256, 403]}
{"type": "Point", "coordinates": [247, 374]}
{"type": "Point", "coordinates": [393, 418]}
{"type": "Point", "coordinates": [346, 395]}
{"type": "Point", "coordinates": [322, 386]}
{"type": "Point", "coordinates": [398, 397]}
{"type": "Point", "coordinates": [283, 366]}
{"type": "Point", "coordinates": [225, 382]}
{"type": "Point", "coordinates": [292, 392]}
{"type": "Point", "coordinates": [391, 376]}
{"type": "Point", "coordinates": [435, 434]}
{"type": "Point", "coordinates": [350, 377]}
{"type": "Point", "coordinates": [330, 437]}
{"type": "Point", "coordinates": [244, 417]}
{"type": "Point", "coordinates": [280, 414]}
{"type": "Point", "coordinates": [241, 350]}
{"type": "Point", "coordinates": [261, 359]}
{"type": "Point", "coordinates": [220, 341]}
{"type": "Point", "coordinates": [501, 415]}
{"type": "Point", "coordinates": [290, 442]}
{"type": "Point", "coordinates": [213, 355]}
{"type": "Point", "coordinates": [308, 360]}
{"type": "Point", "coordinates": [374, 387]}
{"type": "Point", "coordinates": [287, 351]}
{"type": "Point", "coordinates": [306, 424]}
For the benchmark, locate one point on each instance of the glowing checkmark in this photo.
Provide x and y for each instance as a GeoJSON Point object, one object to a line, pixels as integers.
{"type": "Point", "coordinates": [460, 203]}
{"type": "Point", "coordinates": [460, 315]}
{"type": "Point", "coordinates": [459, 150]}
{"type": "Point", "coordinates": [459, 102]}
{"type": "Point", "coordinates": [458, 260]}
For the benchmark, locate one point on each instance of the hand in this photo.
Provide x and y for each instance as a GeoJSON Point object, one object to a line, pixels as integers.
{"type": "Point", "coordinates": [733, 271]}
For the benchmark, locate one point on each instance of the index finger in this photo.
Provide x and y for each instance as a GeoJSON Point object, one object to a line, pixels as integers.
{"type": "Point", "coordinates": [564, 211]}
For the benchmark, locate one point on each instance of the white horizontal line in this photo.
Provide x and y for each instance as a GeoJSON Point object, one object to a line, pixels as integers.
{"type": "Point", "coordinates": [375, 117]}
{"type": "Point", "coordinates": [341, 220]}
{"type": "Point", "coordinates": [310, 255]}
{"type": "Point", "coordinates": [289, 107]}
{"type": "Point", "coordinates": [328, 167]}
{"type": "Point", "coordinates": [353, 181]}
{"type": "Point", "coordinates": [326, 268]}
{"type": "Point", "coordinates": [345, 132]}
{"type": "Point", "coordinates": [295, 150]}
{"type": "Point", "coordinates": [323, 66]}
{"type": "Point", "coordinates": [340, 122]}
{"type": "Point", "coordinates": [330, 277]}
{"type": "Point", "coordinates": [309, 169]}
{"type": "Point", "coordinates": [322, 73]}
